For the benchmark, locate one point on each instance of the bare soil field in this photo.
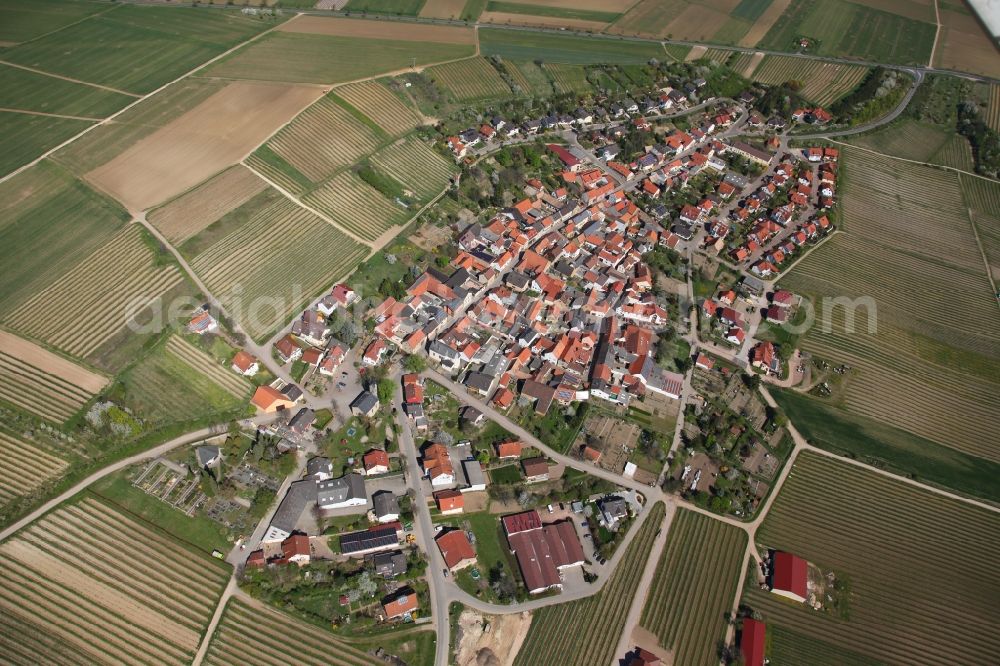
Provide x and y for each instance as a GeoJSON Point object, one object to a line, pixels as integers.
{"type": "Point", "coordinates": [499, 645]}
{"type": "Point", "coordinates": [210, 137]}
{"type": "Point", "coordinates": [445, 9]}
{"type": "Point", "coordinates": [764, 23]}
{"type": "Point", "coordinates": [191, 212]}
{"type": "Point", "coordinates": [965, 46]}
{"type": "Point", "coordinates": [360, 28]}
{"type": "Point", "coordinates": [51, 364]}
{"type": "Point", "coordinates": [505, 18]}
{"type": "Point", "coordinates": [696, 22]}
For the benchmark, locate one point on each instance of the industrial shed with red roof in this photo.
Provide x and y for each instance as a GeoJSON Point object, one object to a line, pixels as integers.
{"type": "Point", "coordinates": [789, 576]}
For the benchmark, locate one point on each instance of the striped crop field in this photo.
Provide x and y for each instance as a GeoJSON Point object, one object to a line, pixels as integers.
{"type": "Point", "coordinates": [43, 383]}
{"type": "Point", "coordinates": [90, 584]}
{"type": "Point", "coordinates": [469, 80]}
{"type": "Point", "coordinates": [993, 108]}
{"type": "Point", "coordinates": [909, 139]}
{"type": "Point", "coordinates": [191, 212]}
{"type": "Point", "coordinates": [381, 105]}
{"type": "Point", "coordinates": [323, 138]}
{"type": "Point", "coordinates": [24, 468]}
{"type": "Point", "coordinates": [956, 152]}
{"type": "Point", "coordinates": [717, 56]}
{"type": "Point", "coordinates": [532, 78]}
{"type": "Point", "coordinates": [745, 63]}
{"type": "Point", "coordinates": [822, 82]}
{"type": "Point", "coordinates": [596, 621]}
{"type": "Point", "coordinates": [356, 206]}
{"type": "Point", "coordinates": [93, 301]}
{"type": "Point", "coordinates": [258, 636]}
{"type": "Point", "coordinates": [568, 78]}
{"type": "Point", "coordinates": [414, 164]}
{"type": "Point", "coordinates": [920, 568]}
{"type": "Point", "coordinates": [269, 267]}
{"type": "Point", "coordinates": [204, 363]}
{"type": "Point", "coordinates": [694, 586]}
{"type": "Point", "coordinates": [907, 261]}
{"type": "Point", "coordinates": [982, 197]}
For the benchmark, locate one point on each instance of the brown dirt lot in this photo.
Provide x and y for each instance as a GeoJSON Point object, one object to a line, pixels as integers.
{"type": "Point", "coordinates": [964, 46]}
{"type": "Point", "coordinates": [765, 22]}
{"type": "Point", "coordinates": [502, 642]}
{"type": "Point", "coordinates": [445, 9]}
{"type": "Point", "coordinates": [46, 361]}
{"type": "Point", "coordinates": [410, 32]}
{"type": "Point", "coordinates": [543, 21]}
{"type": "Point", "coordinates": [201, 142]}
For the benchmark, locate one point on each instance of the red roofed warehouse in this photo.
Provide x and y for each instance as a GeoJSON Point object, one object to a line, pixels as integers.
{"type": "Point", "coordinates": [752, 642]}
{"type": "Point", "coordinates": [789, 574]}
{"type": "Point", "coordinates": [542, 551]}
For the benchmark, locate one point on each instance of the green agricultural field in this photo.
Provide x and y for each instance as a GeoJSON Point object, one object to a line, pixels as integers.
{"type": "Point", "coordinates": [396, 7]}
{"type": "Point", "coordinates": [844, 28]}
{"type": "Point", "coordinates": [356, 206]}
{"type": "Point", "coordinates": [904, 261]}
{"type": "Point", "coordinates": [103, 143]}
{"type": "Point", "coordinates": [694, 586]}
{"type": "Point", "coordinates": [556, 12]}
{"type": "Point", "coordinates": [596, 621]}
{"type": "Point", "coordinates": [417, 166]}
{"type": "Point", "coordinates": [821, 82]}
{"type": "Point", "coordinates": [472, 10]}
{"type": "Point", "coordinates": [49, 221]}
{"type": "Point", "coordinates": [27, 91]}
{"type": "Point", "coordinates": [888, 543]}
{"type": "Point", "coordinates": [568, 78]}
{"type": "Point", "coordinates": [27, 137]}
{"type": "Point", "coordinates": [21, 20]}
{"type": "Point", "coordinates": [982, 196]}
{"type": "Point", "coordinates": [909, 139]}
{"type": "Point", "coordinates": [567, 49]}
{"type": "Point", "coordinates": [469, 80]}
{"type": "Point", "coordinates": [532, 78]}
{"type": "Point", "coordinates": [153, 45]}
{"type": "Point", "coordinates": [307, 58]}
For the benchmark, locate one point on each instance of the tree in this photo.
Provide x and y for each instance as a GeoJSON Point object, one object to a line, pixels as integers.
{"type": "Point", "coordinates": [415, 363]}
{"type": "Point", "coordinates": [385, 388]}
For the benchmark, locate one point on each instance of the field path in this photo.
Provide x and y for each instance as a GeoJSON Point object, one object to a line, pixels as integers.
{"type": "Point", "coordinates": [138, 100]}
{"type": "Point", "coordinates": [72, 80]}
{"type": "Point", "coordinates": [937, 34]}
{"type": "Point", "coordinates": [51, 115]}
{"type": "Point", "coordinates": [231, 589]}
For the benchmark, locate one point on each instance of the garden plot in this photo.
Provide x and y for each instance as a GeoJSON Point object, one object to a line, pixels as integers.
{"type": "Point", "coordinates": [43, 383]}
{"type": "Point", "coordinates": [325, 137]}
{"type": "Point", "coordinates": [273, 264]}
{"type": "Point", "coordinates": [891, 542]}
{"type": "Point", "coordinates": [469, 80]}
{"type": "Point", "coordinates": [80, 571]}
{"type": "Point", "coordinates": [381, 105]}
{"type": "Point", "coordinates": [98, 297]}
{"type": "Point", "coordinates": [357, 207]}
{"type": "Point", "coordinates": [24, 468]}
{"type": "Point", "coordinates": [191, 212]}
{"type": "Point", "coordinates": [212, 136]}
{"type": "Point", "coordinates": [259, 635]}
{"type": "Point", "coordinates": [172, 484]}
{"type": "Point", "coordinates": [414, 164]}
{"type": "Point", "coordinates": [694, 586]}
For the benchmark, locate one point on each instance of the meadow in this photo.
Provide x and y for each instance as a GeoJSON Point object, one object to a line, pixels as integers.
{"type": "Point", "coordinates": [596, 621]}
{"type": "Point", "coordinates": [25, 468]}
{"type": "Point", "coordinates": [469, 80]}
{"type": "Point", "coordinates": [531, 78]}
{"type": "Point", "coordinates": [698, 20]}
{"type": "Point", "coordinates": [377, 102]}
{"type": "Point", "coordinates": [915, 256]}
{"type": "Point", "coordinates": [21, 20]}
{"type": "Point", "coordinates": [24, 90]}
{"type": "Point", "coordinates": [822, 82]}
{"type": "Point", "coordinates": [72, 578]}
{"type": "Point", "coordinates": [844, 28]}
{"type": "Point", "coordinates": [571, 13]}
{"type": "Point", "coordinates": [90, 303]}
{"type": "Point", "coordinates": [27, 137]}
{"type": "Point", "coordinates": [566, 49]}
{"type": "Point", "coordinates": [392, 7]}
{"type": "Point", "coordinates": [152, 45]}
{"type": "Point", "coordinates": [271, 264]}
{"type": "Point", "coordinates": [694, 586]}
{"type": "Point", "coordinates": [568, 78]}
{"type": "Point", "coordinates": [316, 58]}
{"type": "Point", "coordinates": [357, 207]}
{"type": "Point", "coordinates": [889, 542]}
{"type": "Point", "coordinates": [416, 165]}
{"type": "Point", "coordinates": [255, 634]}
{"type": "Point", "coordinates": [48, 222]}
{"type": "Point", "coordinates": [324, 138]}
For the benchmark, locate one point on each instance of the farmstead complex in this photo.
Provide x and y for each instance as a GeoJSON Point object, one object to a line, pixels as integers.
{"type": "Point", "coordinates": [459, 333]}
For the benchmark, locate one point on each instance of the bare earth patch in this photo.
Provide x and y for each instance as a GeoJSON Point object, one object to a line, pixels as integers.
{"type": "Point", "coordinates": [499, 645]}
{"type": "Point", "coordinates": [50, 363]}
{"type": "Point", "coordinates": [217, 133]}
{"type": "Point", "coordinates": [963, 45]}
{"type": "Point", "coordinates": [543, 21]}
{"type": "Point", "coordinates": [409, 32]}
{"type": "Point", "coordinates": [445, 9]}
{"type": "Point", "coordinates": [765, 22]}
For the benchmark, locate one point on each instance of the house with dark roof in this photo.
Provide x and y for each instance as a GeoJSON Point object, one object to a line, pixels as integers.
{"type": "Point", "coordinates": [348, 490]}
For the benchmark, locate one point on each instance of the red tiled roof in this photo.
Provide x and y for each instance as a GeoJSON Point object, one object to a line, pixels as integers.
{"type": "Point", "coordinates": [752, 642]}
{"type": "Point", "coordinates": [790, 574]}
{"type": "Point", "coordinates": [455, 548]}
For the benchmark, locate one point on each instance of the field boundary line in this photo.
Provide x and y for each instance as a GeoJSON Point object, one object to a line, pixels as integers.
{"type": "Point", "coordinates": [50, 115]}
{"type": "Point", "coordinates": [114, 115]}
{"type": "Point", "coordinates": [904, 159]}
{"type": "Point", "coordinates": [213, 624]}
{"type": "Point", "coordinates": [68, 25]}
{"type": "Point", "coordinates": [937, 34]}
{"type": "Point", "coordinates": [42, 72]}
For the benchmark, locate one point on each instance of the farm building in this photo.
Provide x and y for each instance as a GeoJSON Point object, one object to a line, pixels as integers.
{"type": "Point", "coordinates": [789, 575]}
{"type": "Point", "coordinates": [542, 551]}
{"type": "Point", "coordinates": [752, 642]}
{"type": "Point", "coordinates": [456, 549]}
{"type": "Point", "coordinates": [641, 657]}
